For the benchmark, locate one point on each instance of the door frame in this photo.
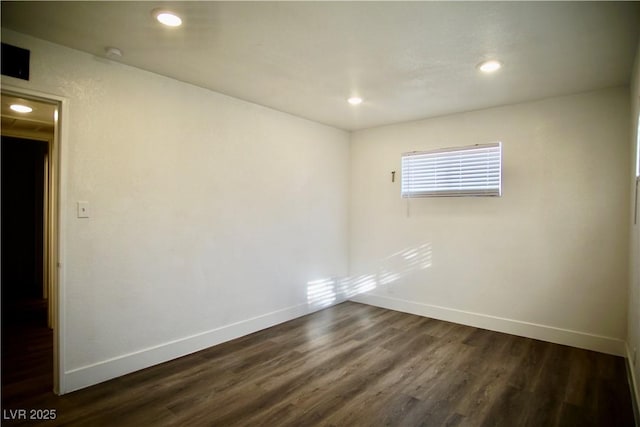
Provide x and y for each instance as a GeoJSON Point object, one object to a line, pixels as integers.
{"type": "Point", "coordinates": [54, 225]}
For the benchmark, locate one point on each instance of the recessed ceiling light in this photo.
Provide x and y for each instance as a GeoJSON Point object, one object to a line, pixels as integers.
{"type": "Point", "coordinates": [354, 100]}
{"type": "Point", "coordinates": [489, 66]}
{"type": "Point", "coordinates": [167, 18]}
{"type": "Point", "coordinates": [19, 108]}
{"type": "Point", "coordinates": [113, 52]}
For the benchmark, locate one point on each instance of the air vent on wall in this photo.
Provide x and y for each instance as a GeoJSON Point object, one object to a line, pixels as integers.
{"type": "Point", "coordinates": [15, 61]}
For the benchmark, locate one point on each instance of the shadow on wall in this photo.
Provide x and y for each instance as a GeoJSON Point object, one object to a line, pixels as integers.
{"type": "Point", "coordinates": [325, 292]}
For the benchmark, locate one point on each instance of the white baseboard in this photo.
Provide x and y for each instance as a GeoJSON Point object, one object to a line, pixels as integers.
{"type": "Point", "coordinates": [86, 376]}
{"type": "Point", "coordinates": [633, 384]}
{"type": "Point", "coordinates": [515, 327]}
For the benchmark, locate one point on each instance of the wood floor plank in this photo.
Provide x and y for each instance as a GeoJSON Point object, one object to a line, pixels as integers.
{"type": "Point", "coordinates": [581, 373]}
{"type": "Point", "coordinates": [530, 364]}
{"type": "Point", "coordinates": [348, 365]}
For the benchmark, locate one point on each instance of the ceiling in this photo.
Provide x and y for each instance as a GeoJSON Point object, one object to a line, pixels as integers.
{"type": "Point", "coordinates": [38, 124]}
{"type": "Point", "coordinates": [408, 60]}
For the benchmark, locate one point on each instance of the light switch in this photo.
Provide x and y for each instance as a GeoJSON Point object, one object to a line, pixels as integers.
{"type": "Point", "coordinates": [83, 209]}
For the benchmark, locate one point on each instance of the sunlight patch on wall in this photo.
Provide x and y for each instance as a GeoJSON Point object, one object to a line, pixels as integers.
{"type": "Point", "coordinates": [360, 284]}
{"type": "Point", "coordinates": [386, 277]}
{"type": "Point", "coordinates": [393, 269]}
{"type": "Point", "coordinates": [321, 293]}
{"type": "Point", "coordinates": [417, 257]}
{"type": "Point", "coordinates": [327, 291]}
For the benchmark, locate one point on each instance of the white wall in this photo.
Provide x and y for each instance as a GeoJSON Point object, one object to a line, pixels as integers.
{"type": "Point", "coordinates": [548, 259]}
{"type": "Point", "coordinates": [209, 215]}
{"type": "Point", "coordinates": [633, 337]}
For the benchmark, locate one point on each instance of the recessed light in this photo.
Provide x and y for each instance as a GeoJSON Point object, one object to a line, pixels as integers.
{"type": "Point", "coordinates": [19, 108]}
{"type": "Point", "coordinates": [167, 18]}
{"type": "Point", "coordinates": [354, 100]}
{"type": "Point", "coordinates": [113, 52]}
{"type": "Point", "coordinates": [489, 66]}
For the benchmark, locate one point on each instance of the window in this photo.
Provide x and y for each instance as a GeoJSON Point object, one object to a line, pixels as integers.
{"type": "Point", "coordinates": [461, 171]}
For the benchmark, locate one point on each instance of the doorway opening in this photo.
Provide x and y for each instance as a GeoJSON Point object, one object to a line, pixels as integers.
{"type": "Point", "coordinates": [29, 251]}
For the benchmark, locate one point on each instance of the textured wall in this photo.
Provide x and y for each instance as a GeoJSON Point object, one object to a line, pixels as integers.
{"type": "Point", "coordinates": [207, 212]}
{"type": "Point", "coordinates": [552, 252]}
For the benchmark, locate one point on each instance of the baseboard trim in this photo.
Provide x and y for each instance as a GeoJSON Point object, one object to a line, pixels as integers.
{"type": "Point", "coordinates": [633, 384]}
{"type": "Point", "coordinates": [86, 376]}
{"type": "Point", "coordinates": [511, 326]}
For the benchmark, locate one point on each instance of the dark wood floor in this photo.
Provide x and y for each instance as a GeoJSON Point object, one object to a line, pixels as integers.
{"type": "Point", "coordinates": [356, 365]}
{"type": "Point", "coordinates": [27, 351]}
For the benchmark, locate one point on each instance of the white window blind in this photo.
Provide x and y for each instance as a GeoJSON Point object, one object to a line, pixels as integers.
{"type": "Point", "coordinates": [464, 171]}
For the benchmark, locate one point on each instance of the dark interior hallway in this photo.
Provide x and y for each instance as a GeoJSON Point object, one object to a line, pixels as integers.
{"type": "Point", "coordinates": [27, 342]}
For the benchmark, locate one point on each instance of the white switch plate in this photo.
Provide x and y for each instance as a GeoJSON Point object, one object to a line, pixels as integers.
{"type": "Point", "coordinates": [83, 209]}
